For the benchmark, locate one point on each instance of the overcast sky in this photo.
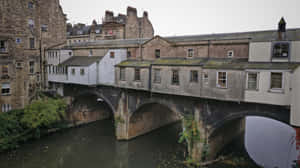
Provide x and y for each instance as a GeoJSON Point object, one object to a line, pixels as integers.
{"type": "Point", "coordinates": [186, 17]}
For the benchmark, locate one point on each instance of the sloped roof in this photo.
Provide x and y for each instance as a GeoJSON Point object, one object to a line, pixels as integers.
{"type": "Point", "coordinates": [81, 61]}
{"type": "Point", "coordinates": [213, 63]}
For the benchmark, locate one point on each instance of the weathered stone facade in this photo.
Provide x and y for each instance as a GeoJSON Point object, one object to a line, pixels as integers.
{"type": "Point", "coordinates": [26, 28]}
{"type": "Point", "coordinates": [128, 26]}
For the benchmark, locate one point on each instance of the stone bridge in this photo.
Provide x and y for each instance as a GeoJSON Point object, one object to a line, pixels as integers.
{"type": "Point", "coordinates": [138, 112]}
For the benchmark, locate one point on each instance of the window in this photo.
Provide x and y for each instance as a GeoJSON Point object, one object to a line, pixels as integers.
{"type": "Point", "coordinates": [190, 52]}
{"type": "Point", "coordinates": [137, 74]}
{"type": "Point", "coordinates": [31, 67]}
{"type": "Point", "coordinates": [91, 53]}
{"type": "Point", "coordinates": [128, 54]}
{"type": "Point", "coordinates": [5, 108]}
{"type": "Point", "coordinates": [157, 77]}
{"type": "Point", "coordinates": [19, 65]}
{"type": "Point", "coordinates": [276, 80]}
{"type": "Point", "coordinates": [112, 54]}
{"type": "Point", "coordinates": [205, 77]}
{"type": "Point", "coordinates": [70, 53]}
{"type": "Point", "coordinates": [44, 28]}
{"type": "Point", "coordinates": [222, 79]}
{"type": "Point", "coordinates": [5, 70]}
{"type": "Point", "coordinates": [281, 50]}
{"type": "Point", "coordinates": [2, 46]}
{"type": "Point", "coordinates": [56, 54]}
{"type": "Point", "coordinates": [97, 31]}
{"type": "Point", "coordinates": [230, 53]}
{"type": "Point", "coordinates": [30, 23]}
{"type": "Point", "coordinates": [73, 71]}
{"type": "Point", "coordinates": [31, 43]}
{"type": "Point", "coordinates": [175, 77]}
{"type": "Point", "coordinates": [82, 72]}
{"type": "Point", "coordinates": [122, 74]}
{"type": "Point", "coordinates": [157, 53]}
{"type": "Point", "coordinates": [5, 90]}
{"type": "Point", "coordinates": [252, 81]}
{"type": "Point", "coordinates": [194, 76]}
{"type": "Point", "coordinates": [30, 5]}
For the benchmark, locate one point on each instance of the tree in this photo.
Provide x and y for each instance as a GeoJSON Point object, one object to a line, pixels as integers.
{"type": "Point", "coordinates": [43, 113]}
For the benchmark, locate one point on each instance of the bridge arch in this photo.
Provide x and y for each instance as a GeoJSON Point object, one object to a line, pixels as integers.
{"type": "Point", "coordinates": [151, 115]}
{"type": "Point", "coordinates": [232, 126]}
{"type": "Point", "coordinates": [90, 105]}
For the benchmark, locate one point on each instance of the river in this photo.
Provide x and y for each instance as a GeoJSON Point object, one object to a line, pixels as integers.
{"type": "Point", "coordinates": [268, 142]}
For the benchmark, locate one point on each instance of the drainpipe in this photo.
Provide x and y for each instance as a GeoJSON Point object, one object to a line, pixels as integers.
{"type": "Point", "coordinates": [150, 79]}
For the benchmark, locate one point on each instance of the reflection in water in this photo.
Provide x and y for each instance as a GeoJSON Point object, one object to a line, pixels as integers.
{"type": "Point", "coordinates": [270, 143]}
{"type": "Point", "coordinates": [95, 145]}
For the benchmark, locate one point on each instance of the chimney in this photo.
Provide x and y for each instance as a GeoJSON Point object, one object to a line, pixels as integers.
{"type": "Point", "coordinates": [145, 15]}
{"type": "Point", "coordinates": [282, 29]}
{"type": "Point", "coordinates": [109, 16]}
{"type": "Point", "coordinates": [131, 11]}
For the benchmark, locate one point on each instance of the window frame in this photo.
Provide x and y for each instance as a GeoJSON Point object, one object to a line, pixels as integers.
{"type": "Point", "coordinates": [137, 74]}
{"type": "Point", "coordinates": [226, 80]}
{"type": "Point", "coordinates": [82, 71]}
{"type": "Point", "coordinates": [5, 88]}
{"type": "Point", "coordinates": [190, 53]}
{"type": "Point", "coordinates": [157, 53]}
{"type": "Point", "coordinates": [257, 81]}
{"type": "Point", "coordinates": [280, 57]}
{"type": "Point", "coordinates": [157, 75]}
{"type": "Point", "coordinates": [174, 81]}
{"type": "Point", "coordinates": [282, 82]}
{"type": "Point", "coordinates": [192, 77]}
{"type": "Point", "coordinates": [31, 67]}
{"type": "Point", "coordinates": [4, 47]}
{"type": "Point", "coordinates": [112, 54]}
{"type": "Point", "coordinates": [122, 76]}
{"type": "Point", "coordinates": [73, 71]}
{"type": "Point", "coordinates": [32, 43]}
{"type": "Point", "coordinates": [5, 69]}
{"type": "Point", "coordinates": [204, 78]}
{"type": "Point", "coordinates": [6, 108]}
{"type": "Point", "coordinates": [228, 53]}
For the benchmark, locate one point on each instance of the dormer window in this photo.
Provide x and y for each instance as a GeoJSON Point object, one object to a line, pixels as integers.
{"type": "Point", "coordinates": [281, 50]}
{"type": "Point", "coordinates": [230, 53]}
{"type": "Point", "coordinates": [157, 53]}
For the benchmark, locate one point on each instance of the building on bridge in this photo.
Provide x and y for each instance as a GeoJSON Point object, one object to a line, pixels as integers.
{"type": "Point", "coordinates": [218, 78]}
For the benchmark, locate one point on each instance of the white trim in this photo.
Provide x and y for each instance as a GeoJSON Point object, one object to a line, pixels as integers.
{"type": "Point", "coordinates": [217, 81]}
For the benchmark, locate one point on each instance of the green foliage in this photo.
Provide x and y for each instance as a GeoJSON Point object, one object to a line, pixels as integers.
{"type": "Point", "coordinates": [44, 113]}
{"type": "Point", "coordinates": [119, 120]}
{"type": "Point", "coordinates": [20, 125]}
{"type": "Point", "coordinates": [190, 132]}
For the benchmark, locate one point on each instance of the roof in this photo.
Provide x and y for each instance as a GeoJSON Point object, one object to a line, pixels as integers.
{"type": "Point", "coordinates": [179, 61]}
{"type": "Point", "coordinates": [267, 35]}
{"type": "Point", "coordinates": [212, 63]}
{"type": "Point", "coordinates": [135, 63]}
{"type": "Point", "coordinates": [110, 42]}
{"type": "Point", "coordinates": [81, 61]}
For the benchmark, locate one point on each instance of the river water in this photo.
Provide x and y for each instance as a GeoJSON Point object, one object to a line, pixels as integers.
{"type": "Point", "coordinates": [268, 142]}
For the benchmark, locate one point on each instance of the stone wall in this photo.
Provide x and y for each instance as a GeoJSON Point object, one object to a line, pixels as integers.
{"type": "Point", "coordinates": [15, 17]}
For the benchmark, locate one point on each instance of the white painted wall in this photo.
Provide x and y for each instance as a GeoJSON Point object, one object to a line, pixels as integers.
{"type": "Point", "coordinates": [295, 102]}
{"type": "Point", "coordinates": [78, 78]}
{"type": "Point", "coordinates": [295, 51]}
{"type": "Point", "coordinates": [260, 51]}
{"type": "Point", "coordinates": [107, 66]}
{"type": "Point", "coordinates": [61, 78]}
{"type": "Point", "coordinates": [265, 95]}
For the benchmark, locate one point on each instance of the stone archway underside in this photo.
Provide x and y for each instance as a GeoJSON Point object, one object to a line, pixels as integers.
{"type": "Point", "coordinates": [150, 117]}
